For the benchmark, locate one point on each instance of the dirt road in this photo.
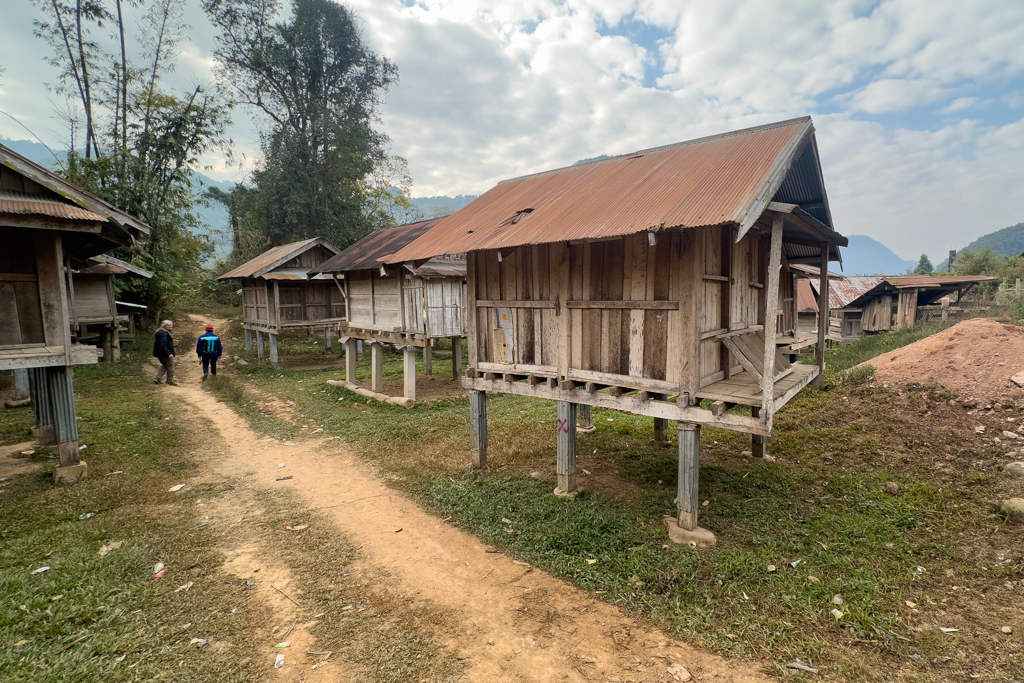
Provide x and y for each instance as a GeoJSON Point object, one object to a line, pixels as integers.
{"type": "Point", "coordinates": [508, 621]}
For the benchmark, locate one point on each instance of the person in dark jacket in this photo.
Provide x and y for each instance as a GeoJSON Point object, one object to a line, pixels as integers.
{"type": "Point", "coordinates": [163, 350]}
{"type": "Point", "coordinates": [208, 349]}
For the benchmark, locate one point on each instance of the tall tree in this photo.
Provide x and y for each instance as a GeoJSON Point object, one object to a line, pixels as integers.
{"type": "Point", "coordinates": [924, 266]}
{"type": "Point", "coordinates": [319, 88]}
{"type": "Point", "coordinates": [143, 140]}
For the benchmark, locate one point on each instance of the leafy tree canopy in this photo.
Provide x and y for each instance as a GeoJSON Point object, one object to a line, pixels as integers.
{"type": "Point", "coordinates": [924, 266]}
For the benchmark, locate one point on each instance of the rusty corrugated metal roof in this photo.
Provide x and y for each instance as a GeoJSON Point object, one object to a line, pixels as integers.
{"type": "Point", "coordinates": [806, 298]}
{"type": "Point", "coordinates": [23, 204]}
{"type": "Point", "coordinates": [272, 258]}
{"type": "Point", "coordinates": [286, 274]}
{"type": "Point", "coordinates": [842, 292]}
{"type": "Point", "coordinates": [727, 178]}
{"type": "Point", "coordinates": [68, 190]}
{"type": "Point", "coordinates": [437, 267]}
{"type": "Point", "coordinates": [370, 251]}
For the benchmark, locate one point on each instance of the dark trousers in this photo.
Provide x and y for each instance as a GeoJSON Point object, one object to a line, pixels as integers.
{"type": "Point", "coordinates": [209, 364]}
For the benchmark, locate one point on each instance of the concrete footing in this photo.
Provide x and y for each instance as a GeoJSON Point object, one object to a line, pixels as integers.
{"type": "Point", "coordinates": [699, 537]}
{"type": "Point", "coordinates": [568, 495]}
{"type": "Point", "coordinates": [70, 474]}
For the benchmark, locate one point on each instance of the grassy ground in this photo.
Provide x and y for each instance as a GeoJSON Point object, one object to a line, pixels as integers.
{"type": "Point", "coordinates": [896, 567]}
{"type": "Point", "coordinates": [107, 618]}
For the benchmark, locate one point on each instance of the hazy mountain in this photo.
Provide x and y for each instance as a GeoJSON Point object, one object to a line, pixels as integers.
{"type": "Point", "coordinates": [440, 204]}
{"type": "Point", "coordinates": [866, 256]}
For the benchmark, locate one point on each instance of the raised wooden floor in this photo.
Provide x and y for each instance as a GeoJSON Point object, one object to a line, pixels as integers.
{"type": "Point", "coordinates": [746, 390]}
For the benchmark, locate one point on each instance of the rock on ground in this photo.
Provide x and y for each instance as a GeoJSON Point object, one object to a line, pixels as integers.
{"type": "Point", "coordinates": [1015, 468]}
{"type": "Point", "coordinates": [1013, 508]}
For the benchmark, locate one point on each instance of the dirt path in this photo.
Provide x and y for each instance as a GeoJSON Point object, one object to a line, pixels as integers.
{"type": "Point", "coordinates": [510, 622]}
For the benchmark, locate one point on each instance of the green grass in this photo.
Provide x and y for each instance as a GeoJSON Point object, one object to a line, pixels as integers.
{"type": "Point", "coordinates": [133, 625]}
{"type": "Point", "coordinates": [821, 505]}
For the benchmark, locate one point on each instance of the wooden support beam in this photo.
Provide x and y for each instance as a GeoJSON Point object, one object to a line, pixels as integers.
{"type": "Point", "coordinates": [566, 451]}
{"type": "Point", "coordinates": [409, 371]}
{"type": "Point", "coordinates": [688, 489]}
{"type": "Point", "coordinates": [273, 349]}
{"type": "Point", "coordinates": [478, 428]}
{"type": "Point", "coordinates": [718, 408]}
{"type": "Point", "coordinates": [261, 353]}
{"type": "Point", "coordinates": [351, 359]}
{"type": "Point", "coordinates": [823, 315]}
{"type": "Point", "coordinates": [248, 342]}
{"type": "Point", "coordinates": [456, 357]}
{"type": "Point", "coordinates": [428, 358]}
{"type": "Point", "coordinates": [771, 308]}
{"type": "Point", "coordinates": [377, 367]}
{"type": "Point", "coordinates": [585, 422]}
{"type": "Point", "coordinates": [327, 337]}
{"type": "Point", "coordinates": [757, 441]}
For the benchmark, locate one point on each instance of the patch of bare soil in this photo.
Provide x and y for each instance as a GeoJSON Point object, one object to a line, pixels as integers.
{"type": "Point", "coordinates": [975, 358]}
{"type": "Point", "coordinates": [505, 620]}
{"type": "Point", "coordinates": [17, 459]}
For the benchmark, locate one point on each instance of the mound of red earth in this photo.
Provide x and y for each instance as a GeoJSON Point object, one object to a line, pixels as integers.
{"type": "Point", "coordinates": [976, 359]}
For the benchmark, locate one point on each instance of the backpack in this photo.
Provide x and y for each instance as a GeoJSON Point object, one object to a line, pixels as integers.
{"type": "Point", "coordinates": [209, 344]}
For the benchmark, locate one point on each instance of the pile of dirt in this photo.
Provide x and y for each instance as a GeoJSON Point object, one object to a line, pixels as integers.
{"type": "Point", "coordinates": [975, 358]}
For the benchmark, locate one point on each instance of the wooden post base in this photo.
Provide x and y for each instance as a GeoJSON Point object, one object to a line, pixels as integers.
{"type": "Point", "coordinates": [273, 350]}
{"type": "Point", "coordinates": [409, 371]}
{"type": "Point", "coordinates": [327, 338]}
{"type": "Point", "coordinates": [478, 428]}
{"type": "Point", "coordinates": [456, 357]}
{"type": "Point", "coordinates": [688, 489]}
{"type": "Point", "coordinates": [351, 358]}
{"type": "Point", "coordinates": [428, 358]}
{"type": "Point", "coordinates": [566, 453]}
{"type": "Point", "coordinates": [584, 423]}
{"type": "Point", "coordinates": [377, 367]}
{"type": "Point", "coordinates": [248, 342]}
{"type": "Point", "coordinates": [261, 352]}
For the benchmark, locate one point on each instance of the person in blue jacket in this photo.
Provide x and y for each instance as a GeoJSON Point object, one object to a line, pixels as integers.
{"type": "Point", "coordinates": [208, 349]}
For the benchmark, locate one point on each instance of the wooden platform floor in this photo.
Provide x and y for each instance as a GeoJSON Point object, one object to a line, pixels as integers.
{"type": "Point", "coordinates": [744, 389]}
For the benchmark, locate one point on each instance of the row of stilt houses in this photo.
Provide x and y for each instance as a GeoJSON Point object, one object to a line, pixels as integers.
{"type": "Point", "coordinates": [660, 283]}
{"type": "Point", "coordinates": [51, 229]}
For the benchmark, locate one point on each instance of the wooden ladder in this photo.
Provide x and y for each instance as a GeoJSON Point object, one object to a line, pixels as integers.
{"type": "Point", "coordinates": [748, 347]}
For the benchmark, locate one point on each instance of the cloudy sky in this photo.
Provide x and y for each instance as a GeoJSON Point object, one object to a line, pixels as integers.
{"type": "Point", "coordinates": [918, 104]}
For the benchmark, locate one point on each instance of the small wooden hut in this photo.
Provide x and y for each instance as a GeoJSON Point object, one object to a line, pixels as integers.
{"type": "Point", "coordinates": [654, 283]}
{"type": "Point", "coordinates": [94, 309]}
{"type": "Point", "coordinates": [409, 305]}
{"type": "Point", "coordinates": [48, 228]}
{"type": "Point", "coordinates": [279, 294]}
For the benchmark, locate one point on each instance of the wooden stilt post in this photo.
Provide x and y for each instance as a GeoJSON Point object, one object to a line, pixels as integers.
{"type": "Point", "coordinates": [566, 453]}
{"type": "Point", "coordinates": [65, 425]}
{"type": "Point", "coordinates": [261, 353]}
{"type": "Point", "coordinates": [756, 440]}
{"type": "Point", "coordinates": [428, 358]}
{"type": "Point", "coordinates": [107, 337]}
{"type": "Point", "coordinates": [39, 391]}
{"type": "Point", "coordinates": [688, 491]}
{"type": "Point", "coordinates": [771, 319]}
{"type": "Point", "coordinates": [478, 428]}
{"type": "Point", "coordinates": [584, 422]}
{"type": "Point", "coordinates": [327, 337]}
{"type": "Point", "coordinates": [359, 348]}
{"type": "Point", "coordinates": [456, 357]}
{"type": "Point", "coordinates": [823, 316]}
{"type": "Point", "coordinates": [660, 426]}
{"type": "Point", "coordinates": [248, 342]}
{"type": "Point", "coordinates": [350, 360]}
{"type": "Point", "coordinates": [377, 367]}
{"type": "Point", "coordinates": [409, 370]}
{"type": "Point", "coordinates": [273, 349]}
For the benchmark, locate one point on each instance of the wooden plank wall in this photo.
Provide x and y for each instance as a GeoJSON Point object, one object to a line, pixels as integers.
{"type": "Point", "coordinates": [444, 307]}
{"type": "Point", "coordinates": [373, 300]}
{"type": "Point", "coordinates": [20, 307]}
{"type": "Point", "coordinates": [92, 298]}
{"type": "Point", "coordinates": [877, 314]}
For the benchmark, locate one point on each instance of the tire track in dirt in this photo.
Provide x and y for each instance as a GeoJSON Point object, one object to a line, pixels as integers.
{"type": "Point", "coordinates": [512, 622]}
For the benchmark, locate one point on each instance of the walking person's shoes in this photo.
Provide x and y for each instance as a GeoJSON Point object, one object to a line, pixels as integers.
{"type": "Point", "coordinates": [156, 381]}
{"type": "Point", "coordinates": [204, 378]}
{"type": "Point", "coordinates": [172, 384]}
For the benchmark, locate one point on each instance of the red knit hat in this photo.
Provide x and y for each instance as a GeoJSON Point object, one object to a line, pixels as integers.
{"type": "Point", "coordinates": [209, 328]}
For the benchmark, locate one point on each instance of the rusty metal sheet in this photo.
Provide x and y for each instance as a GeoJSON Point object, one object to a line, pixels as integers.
{"type": "Point", "coordinates": [286, 274]}
{"type": "Point", "coordinates": [806, 298]}
{"type": "Point", "coordinates": [905, 281]}
{"type": "Point", "coordinates": [710, 181]}
{"type": "Point", "coordinates": [436, 267]}
{"type": "Point", "coordinates": [23, 204]}
{"type": "Point", "coordinates": [270, 259]}
{"type": "Point", "coordinates": [370, 251]}
{"type": "Point", "coordinates": [843, 291]}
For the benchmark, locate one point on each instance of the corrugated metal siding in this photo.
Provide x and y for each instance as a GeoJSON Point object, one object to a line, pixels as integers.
{"type": "Point", "coordinates": [806, 298]}
{"type": "Point", "coordinates": [23, 204]}
{"type": "Point", "coordinates": [368, 252]}
{"type": "Point", "coordinates": [842, 292]}
{"type": "Point", "coordinates": [704, 182]}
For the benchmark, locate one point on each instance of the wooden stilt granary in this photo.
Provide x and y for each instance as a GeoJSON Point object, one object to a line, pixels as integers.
{"type": "Point", "coordinates": [409, 305]}
{"type": "Point", "coordinates": [656, 283]}
{"type": "Point", "coordinates": [94, 309]}
{"type": "Point", "coordinates": [48, 228]}
{"type": "Point", "coordinates": [279, 294]}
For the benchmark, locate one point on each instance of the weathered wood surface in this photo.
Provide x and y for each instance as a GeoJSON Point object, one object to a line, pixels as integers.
{"type": "Point", "coordinates": [355, 388]}
{"type": "Point", "coordinates": [688, 485]}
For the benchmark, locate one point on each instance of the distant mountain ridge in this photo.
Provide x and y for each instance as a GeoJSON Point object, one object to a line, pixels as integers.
{"type": "Point", "coordinates": [866, 256]}
{"type": "Point", "coordinates": [1006, 242]}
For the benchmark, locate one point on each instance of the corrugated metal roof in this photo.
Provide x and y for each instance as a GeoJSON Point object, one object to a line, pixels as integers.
{"type": "Point", "coordinates": [436, 267]}
{"type": "Point", "coordinates": [23, 204]}
{"type": "Point", "coordinates": [904, 281]}
{"type": "Point", "coordinates": [370, 251]}
{"type": "Point", "coordinates": [286, 274]}
{"type": "Point", "coordinates": [806, 298]}
{"type": "Point", "coordinates": [726, 178]}
{"type": "Point", "coordinates": [843, 292]}
{"type": "Point", "coordinates": [118, 266]}
{"type": "Point", "coordinates": [70, 191]}
{"type": "Point", "coordinates": [271, 258]}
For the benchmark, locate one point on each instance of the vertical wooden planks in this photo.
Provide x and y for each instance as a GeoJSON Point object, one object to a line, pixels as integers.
{"type": "Point", "coordinates": [561, 251]}
{"type": "Point", "coordinates": [576, 262]}
{"type": "Point", "coordinates": [587, 341]}
{"type": "Point", "coordinates": [638, 292]}
{"type": "Point", "coordinates": [674, 332]}
{"type": "Point", "coordinates": [471, 317]}
{"type": "Point", "coordinates": [823, 315]}
{"type": "Point", "coordinates": [659, 258]}
{"type": "Point", "coordinates": [690, 310]}
{"type": "Point", "coordinates": [611, 320]}
{"type": "Point", "coordinates": [771, 319]}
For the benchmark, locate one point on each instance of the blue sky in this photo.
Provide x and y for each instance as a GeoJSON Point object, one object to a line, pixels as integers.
{"type": "Point", "coordinates": [918, 105]}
